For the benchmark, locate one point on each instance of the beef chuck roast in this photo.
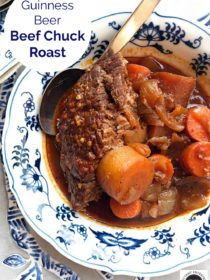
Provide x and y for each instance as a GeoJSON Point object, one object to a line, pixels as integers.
{"type": "Point", "coordinates": [99, 109]}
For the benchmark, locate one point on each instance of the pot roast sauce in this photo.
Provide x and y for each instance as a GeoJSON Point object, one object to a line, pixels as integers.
{"type": "Point", "coordinates": [101, 210]}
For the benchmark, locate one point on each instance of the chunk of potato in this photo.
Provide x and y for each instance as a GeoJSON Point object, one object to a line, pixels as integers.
{"type": "Point", "coordinates": [135, 136]}
{"type": "Point", "coordinates": [124, 174]}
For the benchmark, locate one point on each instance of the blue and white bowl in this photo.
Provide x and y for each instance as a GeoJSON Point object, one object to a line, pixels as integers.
{"type": "Point", "coordinates": [151, 251]}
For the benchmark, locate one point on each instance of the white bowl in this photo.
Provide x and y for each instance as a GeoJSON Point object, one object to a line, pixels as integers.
{"type": "Point", "coordinates": [151, 251]}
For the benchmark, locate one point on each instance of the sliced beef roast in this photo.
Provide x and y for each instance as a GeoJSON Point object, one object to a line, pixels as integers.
{"type": "Point", "coordinates": [99, 109]}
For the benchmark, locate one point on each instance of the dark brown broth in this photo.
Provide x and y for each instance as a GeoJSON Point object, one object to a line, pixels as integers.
{"type": "Point", "coordinates": [100, 210]}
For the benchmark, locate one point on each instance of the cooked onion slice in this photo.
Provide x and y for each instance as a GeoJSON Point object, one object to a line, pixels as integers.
{"type": "Point", "coordinates": [151, 97]}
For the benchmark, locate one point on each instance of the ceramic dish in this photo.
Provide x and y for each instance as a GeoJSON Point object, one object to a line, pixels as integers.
{"type": "Point", "coordinates": [151, 251]}
{"type": "Point", "coordinates": [6, 58]}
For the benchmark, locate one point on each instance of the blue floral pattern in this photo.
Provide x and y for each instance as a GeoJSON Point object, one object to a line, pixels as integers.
{"type": "Point", "coordinates": [20, 233]}
{"type": "Point", "coordinates": [108, 247]}
{"type": "Point", "coordinates": [116, 246]}
{"type": "Point", "coordinates": [164, 237]}
{"type": "Point", "coordinates": [32, 177]}
{"type": "Point", "coordinates": [32, 121]}
{"type": "Point", "coordinates": [150, 35]}
{"type": "Point", "coordinates": [66, 234]}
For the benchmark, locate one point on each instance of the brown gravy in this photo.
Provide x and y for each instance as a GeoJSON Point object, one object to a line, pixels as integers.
{"type": "Point", "coordinates": [100, 210]}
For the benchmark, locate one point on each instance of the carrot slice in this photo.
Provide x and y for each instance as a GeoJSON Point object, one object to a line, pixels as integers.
{"type": "Point", "coordinates": [195, 159]}
{"type": "Point", "coordinates": [163, 168]}
{"type": "Point", "coordinates": [136, 73]}
{"type": "Point", "coordinates": [127, 211]}
{"type": "Point", "coordinates": [198, 123]}
{"type": "Point", "coordinates": [180, 87]}
{"type": "Point", "coordinates": [142, 149]}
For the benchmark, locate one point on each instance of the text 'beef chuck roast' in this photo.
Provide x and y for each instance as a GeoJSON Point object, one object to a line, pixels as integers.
{"type": "Point", "coordinates": [94, 117]}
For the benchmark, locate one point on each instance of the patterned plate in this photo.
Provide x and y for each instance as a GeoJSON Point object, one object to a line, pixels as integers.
{"type": "Point", "coordinates": [150, 251]}
{"type": "Point", "coordinates": [6, 58]}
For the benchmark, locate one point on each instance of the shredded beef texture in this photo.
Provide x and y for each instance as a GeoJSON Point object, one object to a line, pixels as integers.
{"type": "Point", "coordinates": [92, 122]}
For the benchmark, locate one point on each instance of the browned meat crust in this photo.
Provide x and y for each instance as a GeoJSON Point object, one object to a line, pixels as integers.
{"type": "Point", "coordinates": [94, 118]}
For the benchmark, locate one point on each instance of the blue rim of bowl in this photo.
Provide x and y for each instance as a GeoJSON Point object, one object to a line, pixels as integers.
{"type": "Point", "coordinates": [49, 238]}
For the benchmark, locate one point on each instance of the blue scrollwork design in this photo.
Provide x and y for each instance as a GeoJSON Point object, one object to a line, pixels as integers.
{"type": "Point", "coordinates": [185, 251]}
{"type": "Point", "coordinates": [200, 64]}
{"type": "Point", "coordinates": [46, 78]}
{"type": "Point", "coordinates": [150, 35]}
{"type": "Point", "coordinates": [164, 237]}
{"type": "Point", "coordinates": [116, 246]}
{"type": "Point", "coordinates": [20, 152]}
{"type": "Point", "coordinates": [66, 235]}
{"type": "Point", "coordinates": [31, 176]}
{"type": "Point", "coordinates": [175, 34]}
{"type": "Point", "coordinates": [100, 49]}
{"type": "Point", "coordinates": [119, 240]}
{"type": "Point", "coordinates": [65, 213]}
{"type": "Point", "coordinates": [93, 41]}
{"type": "Point", "coordinates": [33, 179]}
{"type": "Point", "coordinates": [199, 213]}
{"type": "Point", "coordinates": [115, 25]}
{"type": "Point", "coordinates": [202, 234]}
{"type": "Point", "coordinates": [172, 33]}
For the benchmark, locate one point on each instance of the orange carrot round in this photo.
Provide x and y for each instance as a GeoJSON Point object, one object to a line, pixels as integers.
{"type": "Point", "coordinates": [195, 159]}
{"type": "Point", "coordinates": [136, 73]}
{"type": "Point", "coordinates": [127, 211]}
{"type": "Point", "coordinates": [198, 123]}
{"type": "Point", "coordinates": [163, 168]}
